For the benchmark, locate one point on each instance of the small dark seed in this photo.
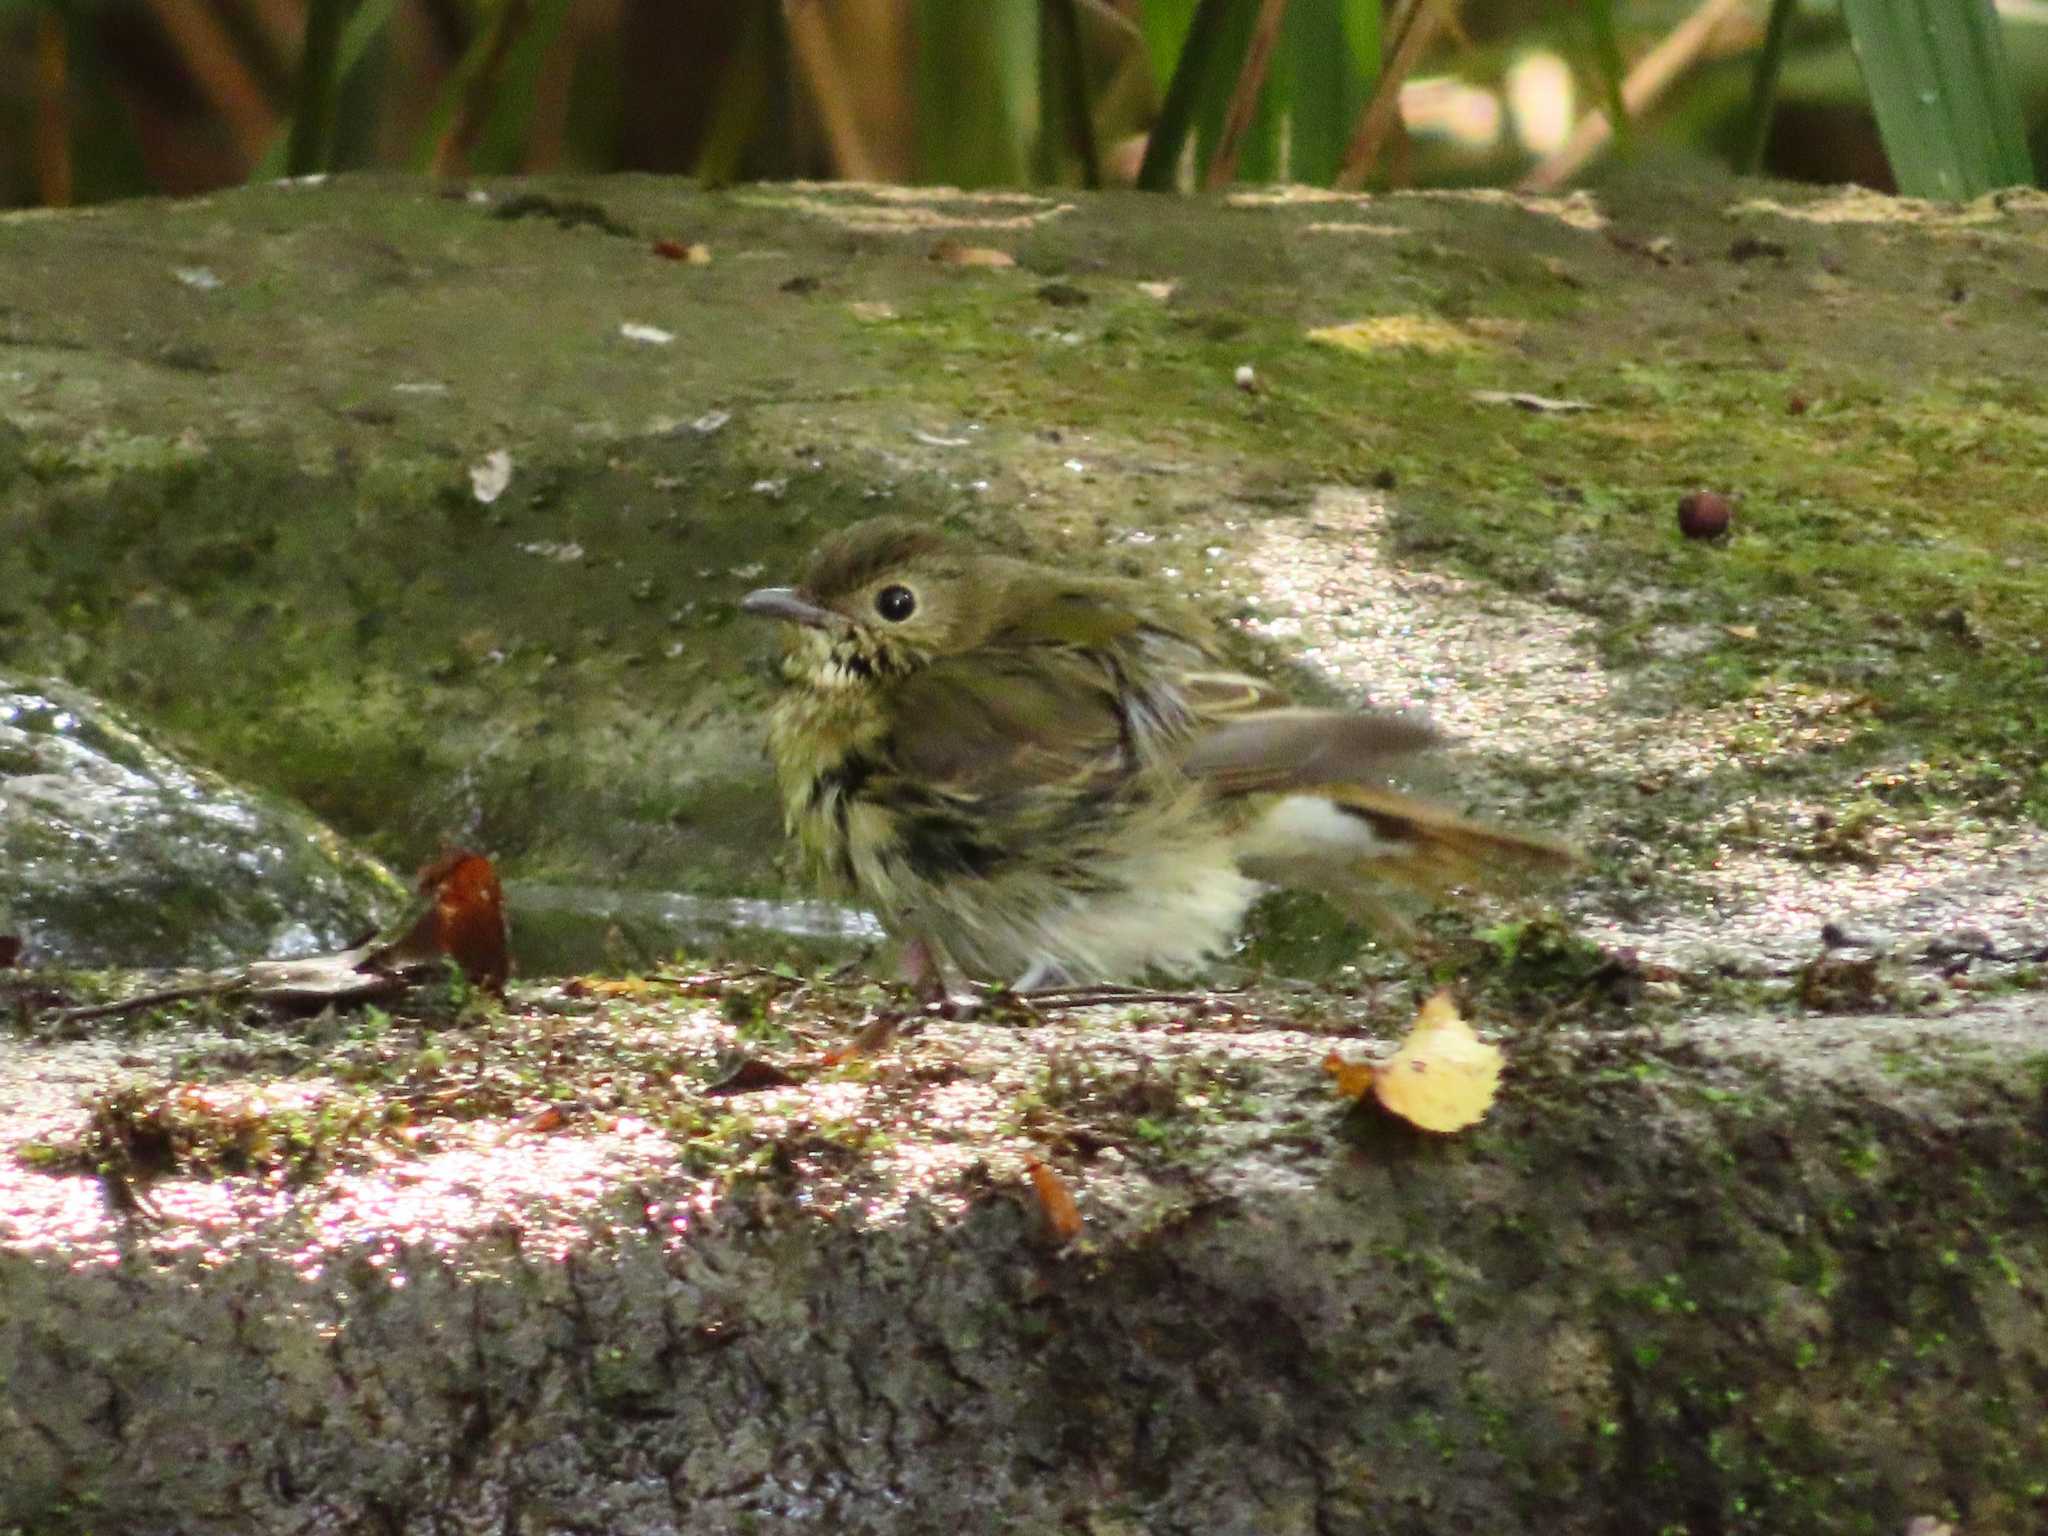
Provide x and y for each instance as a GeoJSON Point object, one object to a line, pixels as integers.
{"type": "Point", "coordinates": [1703, 515]}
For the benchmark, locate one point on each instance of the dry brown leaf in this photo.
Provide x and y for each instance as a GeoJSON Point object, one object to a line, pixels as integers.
{"type": "Point", "coordinates": [1444, 1077]}
{"type": "Point", "coordinates": [870, 1038]}
{"type": "Point", "coordinates": [1055, 1203]}
{"type": "Point", "coordinates": [956, 254]}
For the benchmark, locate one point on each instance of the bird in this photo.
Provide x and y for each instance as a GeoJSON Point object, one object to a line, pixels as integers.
{"type": "Point", "coordinates": [1037, 776]}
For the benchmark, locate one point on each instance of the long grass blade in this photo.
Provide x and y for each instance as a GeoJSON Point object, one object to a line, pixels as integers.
{"type": "Point", "coordinates": [746, 96]}
{"type": "Point", "coordinates": [830, 91]}
{"type": "Point", "coordinates": [364, 28]}
{"type": "Point", "coordinates": [977, 88]}
{"type": "Point", "coordinates": [1330, 53]}
{"type": "Point", "coordinates": [310, 142]}
{"type": "Point", "coordinates": [216, 63]}
{"type": "Point", "coordinates": [1425, 19]}
{"type": "Point", "coordinates": [469, 99]}
{"type": "Point", "coordinates": [1943, 94]}
{"type": "Point", "coordinates": [1201, 55]}
{"type": "Point", "coordinates": [53, 112]}
{"type": "Point", "coordinates": [1607, 58]}
{"type": "Point", "coordinates": [508, 123]}
{"type": "Point", "coordinates": [1763, 86]}
{"type": "Point", "coordinates": [1164, 24]}
{"type": "Point", "coordinates": [1244, 96]}
{"type": "Point", "coordinates": [1063, 94]}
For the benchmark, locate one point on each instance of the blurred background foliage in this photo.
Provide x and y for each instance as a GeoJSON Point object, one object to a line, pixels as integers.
{"type": "Point", "coordinates": [111, 98]}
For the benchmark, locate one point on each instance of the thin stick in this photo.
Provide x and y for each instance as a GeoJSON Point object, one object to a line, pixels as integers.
{"type": "Point", "coordinates": [811, 44]}
{"type": "Point", "coordinates": [144, 1000]}
{"type": "Point", "coordinates": [53, 113]}
{"type": "Point", "coordinates": [1383, 110]}
{"type": "Point", "coordinates": [217, 65]}
{"type": "Point", "coordinates": [1244, 100]}
{"type": "Point", "coordinates": [1652, 76]}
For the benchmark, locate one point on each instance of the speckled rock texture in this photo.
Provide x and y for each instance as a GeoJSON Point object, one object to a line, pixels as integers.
{"type": "Point", "coordinates": [1710, 1279]}
{"type": "Point", "coordinates": [115, 852]}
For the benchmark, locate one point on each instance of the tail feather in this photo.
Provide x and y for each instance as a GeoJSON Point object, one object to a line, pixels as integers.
{"type": "Point", "coordinates": [1450, 839]}
{"type": "Point", "coordinates": [1360, 843]}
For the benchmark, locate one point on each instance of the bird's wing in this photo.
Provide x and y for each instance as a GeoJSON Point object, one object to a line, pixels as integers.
{"type": "Point", "coordinates": [1260, 749]}
{"type": "Point", "coordinates": [996, 723]}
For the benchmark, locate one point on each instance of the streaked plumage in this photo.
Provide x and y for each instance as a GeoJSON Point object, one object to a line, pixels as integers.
{"type": "Point", "coordinates": [1038, 772]}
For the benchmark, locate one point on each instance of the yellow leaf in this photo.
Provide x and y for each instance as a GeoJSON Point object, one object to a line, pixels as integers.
{"type": "Point", "coordinates": [1386, 333]}
{"type": "Point", "coordinates": [1444, 1077]}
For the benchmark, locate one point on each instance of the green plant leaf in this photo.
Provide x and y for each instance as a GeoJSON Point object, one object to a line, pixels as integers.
{"type": "Point", "coordinates": [1165, 25]}
{"type": "Point", "coordinates": [1607, 62]}
{"type": "Point", "coordinates": [1943, 94]}
{"type": "Point", "coordinates": [1066, 110]}
{"type": "Point", "coordinates": [1763, 88]}
{"type": "Point", "coordinates": [310, 141]}
{"type": "Point", "coordinates": [502, 145]}
{"type": "Point", "coordinates": [1330, 52]}
{"type": "Point", "coordinates": [977, 91]}
{"type": "Point", "coordinates": [1202, 76]}
{"type": "Point", "coordinates": [746, 96]}
{"type": "Point", "coordinates": [362, 32]}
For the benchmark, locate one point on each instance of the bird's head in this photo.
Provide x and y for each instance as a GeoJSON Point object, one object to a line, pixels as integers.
{"type": "Point", "coordinates": [881, 598]}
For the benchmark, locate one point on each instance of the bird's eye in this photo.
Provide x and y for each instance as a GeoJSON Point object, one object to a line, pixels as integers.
{"type": "Point", "coordinates": [896, 603]}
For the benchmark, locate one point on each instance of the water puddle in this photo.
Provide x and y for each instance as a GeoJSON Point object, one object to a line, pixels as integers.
{"type": "Point", "coordinates": [567, 929]}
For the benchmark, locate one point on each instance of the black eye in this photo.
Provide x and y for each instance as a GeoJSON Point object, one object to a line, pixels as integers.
{"type": "Point", "coordinates": [895, 603]}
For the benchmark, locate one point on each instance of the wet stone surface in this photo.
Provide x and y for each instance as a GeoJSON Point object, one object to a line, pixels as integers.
{"type": "Point", "coordinates": [114, 852]}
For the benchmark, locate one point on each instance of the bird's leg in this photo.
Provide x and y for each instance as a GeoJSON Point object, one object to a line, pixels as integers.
{"type": "Point", "coordinates": [930, 974]}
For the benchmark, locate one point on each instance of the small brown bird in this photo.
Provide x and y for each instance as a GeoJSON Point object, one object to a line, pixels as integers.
{"type": "Point", "coordinates": [1043, 776]}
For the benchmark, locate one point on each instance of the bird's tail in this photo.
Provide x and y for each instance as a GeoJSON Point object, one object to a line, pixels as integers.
{"type": "Point", "coordinates": [1362, 844]}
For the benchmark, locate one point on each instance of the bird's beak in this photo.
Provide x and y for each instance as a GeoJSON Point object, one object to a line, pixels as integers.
{"type": "Point", "coordinates": [788, 604]}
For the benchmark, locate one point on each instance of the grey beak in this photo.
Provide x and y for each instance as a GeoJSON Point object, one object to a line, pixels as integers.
{"type": "Point", "coordinates": [788, 604]}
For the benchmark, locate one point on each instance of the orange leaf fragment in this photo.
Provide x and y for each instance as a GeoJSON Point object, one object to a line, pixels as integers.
{"type": "Point", "coordinates": [1444, 1077]}
{"type": "Point", "coordinates": [630, 987]}
{"type": "Point", "coordinates": [467, 920]}
{"type": "Point", "coordinates": [1351, 1078]}
{"type": "Point", "coordinates": [1055, 1202]}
